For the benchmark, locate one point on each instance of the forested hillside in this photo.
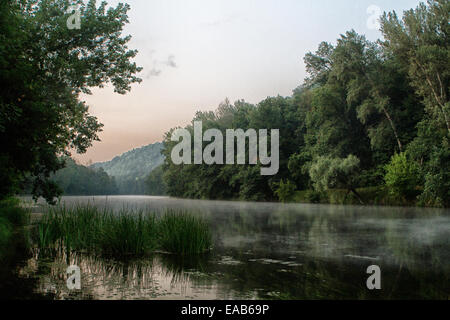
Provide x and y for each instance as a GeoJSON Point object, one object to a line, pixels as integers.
{"type": "Point", "coordinates": [132, 168]}
{"type": "Point", "coordinates": [76, 179]}
{"type": "Point", "coordinates": [371, 121]}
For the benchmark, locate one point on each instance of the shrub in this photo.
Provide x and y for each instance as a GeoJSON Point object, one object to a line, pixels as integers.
{"type": "Point", "coordinates": [285, 191]}
{"type": "Point", "coordinates": [402, 176]}
{"type": "Point", "coordinates": [437, 181]}
{"type": "Point", "coordinates": [313, 196]}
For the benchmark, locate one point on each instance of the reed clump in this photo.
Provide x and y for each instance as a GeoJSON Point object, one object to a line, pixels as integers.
{"type": "Point", "coordinates": [183, 233]}
{"type": "Point", "coordinates": [124, 233]}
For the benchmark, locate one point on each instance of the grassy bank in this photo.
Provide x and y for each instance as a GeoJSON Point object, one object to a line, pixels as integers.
{"type": "Point", "coordinates": [370, 196]}
{"type": "Point", "coordinates": [124, 233]}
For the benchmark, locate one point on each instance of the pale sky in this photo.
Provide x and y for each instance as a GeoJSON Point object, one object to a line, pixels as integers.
{"type": "Point", "coordinates": [196, 53]}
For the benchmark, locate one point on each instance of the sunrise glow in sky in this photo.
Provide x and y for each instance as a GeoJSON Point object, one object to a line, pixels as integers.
{"type": "Point", "coordinates": [196, 53]}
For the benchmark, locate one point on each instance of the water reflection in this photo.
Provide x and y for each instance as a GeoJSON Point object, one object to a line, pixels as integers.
{"type": "Point", "coordinates": [157, 277]}
{"type": "Point", "coordinates": [266, 250]}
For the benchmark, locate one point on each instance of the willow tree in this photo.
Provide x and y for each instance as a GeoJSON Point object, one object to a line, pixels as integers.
{"type": "Point", "coordinates": [336, 173]}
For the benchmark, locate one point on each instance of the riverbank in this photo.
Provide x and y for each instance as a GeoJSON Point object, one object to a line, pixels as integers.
{"type": "Point", "coordinates": [373, 196]}
{"type": "Point", "coordinates": [370, 196]}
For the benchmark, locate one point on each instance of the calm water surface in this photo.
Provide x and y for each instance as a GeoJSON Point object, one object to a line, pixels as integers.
{"type": "Point", "coordinates": [268, 251]}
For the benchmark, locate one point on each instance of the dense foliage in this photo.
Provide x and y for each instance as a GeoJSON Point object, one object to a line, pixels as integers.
{"type": "Point", "coordinates": [402, 176]}
{"type": "Point", "coordinates": [12, 215]}
{"type": "Point", "coordinates": [362, 104]}
{"type": "Point", "coordinates": [155, 182]}
{"type": "Point", "coordinates": [44, 67]}
{"type": "Point", "coordinates": [77, 179]}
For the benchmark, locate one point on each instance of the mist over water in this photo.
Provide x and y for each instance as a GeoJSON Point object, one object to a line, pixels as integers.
{"type": "Point", "coordinates": [271, 250]}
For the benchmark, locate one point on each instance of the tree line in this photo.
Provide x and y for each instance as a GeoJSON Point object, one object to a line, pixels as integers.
{"type": "Point", "coordinates": [79, 180]}
{"type": "Point", "coordinates": [76, 179]}
{"type": "Point", "coordinates": [369, 114]}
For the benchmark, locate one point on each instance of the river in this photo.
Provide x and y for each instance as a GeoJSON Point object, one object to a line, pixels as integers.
{"type": "Point", "coordinates": [270, 251]}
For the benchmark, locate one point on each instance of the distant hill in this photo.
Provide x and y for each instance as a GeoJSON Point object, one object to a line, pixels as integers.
{"type": "Point", "coordinates": [76, 179]}
{"type": "Point", "coordinates": [132, 168]}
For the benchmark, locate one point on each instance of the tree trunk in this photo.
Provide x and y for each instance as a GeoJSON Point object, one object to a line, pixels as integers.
{"type": "Point", "coordinates": [391, 122]}
{"type": "Point", "coordinates": [346, 195]}
{"type": "Point", "coordinates": [357, 196]}
{"type": "Point", "coordinates": [388, 116]}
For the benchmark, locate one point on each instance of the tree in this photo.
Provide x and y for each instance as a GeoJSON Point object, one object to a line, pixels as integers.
{"type": "Point", "coordinates": [421, 41]}
{"type": "Point", "coordinates": [361, 103]}
{"type": "Point", "coordinates": [333, 128]}
{"type": "Point", "coordinates": [285, 191]}
{"type": "Point", "coordinates": [437, 179]}
{"type": "Point", "coordinates": [378, 88]}
{"type": "Point", "coordinates": [331, 173]}
{"type": "Point", "coordinates": [154, 182]}
{"type": "Point", "coordinates": [44, 67]}
{"type": "Point", "coordinates": [244, 182]}
{"type": "Point", "coordinates": [402, 176]}
{"type": "Point", "coordinates": [318, 64]}
{"type": "Point", "coordinates": [76, 179]}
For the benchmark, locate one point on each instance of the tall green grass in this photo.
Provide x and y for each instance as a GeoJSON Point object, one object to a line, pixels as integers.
{"type": "Point", "coordinates": [183, 233]}
{"type": "Point", "coordinates": [125, 233]}
{"type": "Point", "coordinates": [131, 233]}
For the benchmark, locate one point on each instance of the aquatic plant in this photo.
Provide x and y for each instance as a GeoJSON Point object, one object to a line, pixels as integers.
{"type": "Point", "coordinates": [130, 233]}
{"type": "Point", "coordinates": [123, 233]}
{"type": "Point", "coordinates": [182, 233]}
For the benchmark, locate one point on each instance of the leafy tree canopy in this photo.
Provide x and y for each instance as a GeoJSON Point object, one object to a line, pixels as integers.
{"type": "Point", "coordinates": [44, 67]}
